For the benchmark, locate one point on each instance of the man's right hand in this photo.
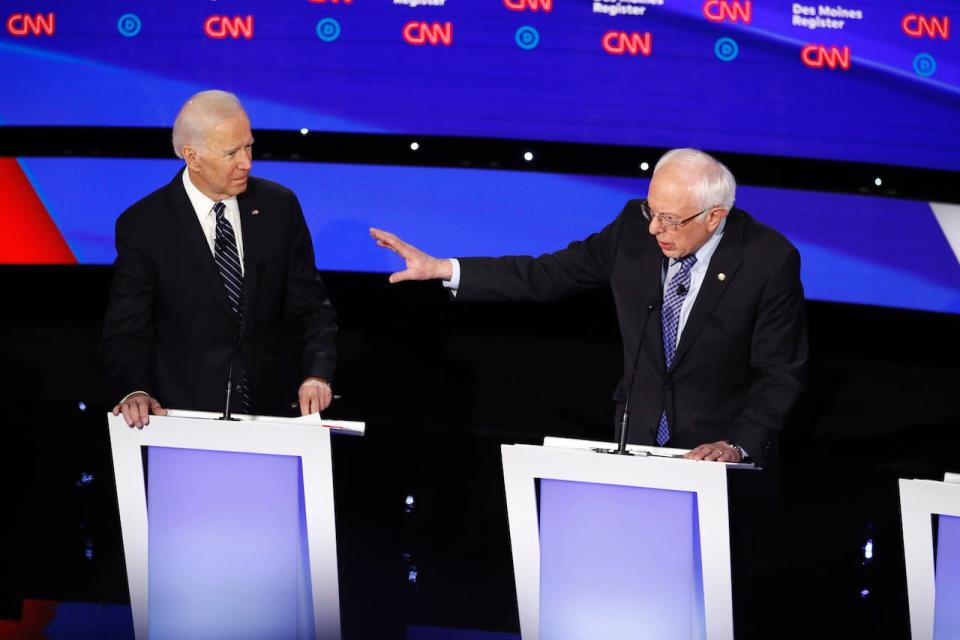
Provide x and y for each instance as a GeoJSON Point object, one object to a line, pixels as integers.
{"type": "Point", "coordinates": [136, 409]}
{"type": "Point", "coordinates": [420, 266]}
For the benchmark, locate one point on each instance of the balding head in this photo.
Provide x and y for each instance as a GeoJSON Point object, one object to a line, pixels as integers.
{"type": "Point", "coordinates": [200, 115]}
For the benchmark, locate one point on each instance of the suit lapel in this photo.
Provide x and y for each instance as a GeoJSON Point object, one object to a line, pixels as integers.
{"type": "Point", "coordinates": [194, 248]}
{"type": "Point", "coordinates": [252, 243]}
{"type": "Point", "coordinates": [651, 268]}
{"type": "Point", "coordinates": [726, 260]}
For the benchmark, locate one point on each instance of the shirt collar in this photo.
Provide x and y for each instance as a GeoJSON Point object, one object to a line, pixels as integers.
{"type": "Point", "coordinates": [203, 205]}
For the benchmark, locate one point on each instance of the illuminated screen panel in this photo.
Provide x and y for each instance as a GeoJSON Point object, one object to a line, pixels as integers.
{"type": "Point", "coordinates": [865, 80]}
{"type": "Point", "coordinates": [855, 249]}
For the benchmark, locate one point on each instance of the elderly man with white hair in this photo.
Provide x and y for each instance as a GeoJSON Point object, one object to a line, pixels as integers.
{"type": "Point", "coordinates": [211, 271]}
{"type": "Point", "coordinates": [709, 302]}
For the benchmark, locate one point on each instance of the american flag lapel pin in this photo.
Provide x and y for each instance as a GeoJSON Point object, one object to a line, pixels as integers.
{"type": "Point", "coordinates": [255, 212]}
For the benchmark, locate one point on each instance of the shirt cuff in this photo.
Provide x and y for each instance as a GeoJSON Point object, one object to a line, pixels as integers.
{"type": "Point", "coordinates": [454, 282]}
{"type": "Point", "coordinates": [127, 397]}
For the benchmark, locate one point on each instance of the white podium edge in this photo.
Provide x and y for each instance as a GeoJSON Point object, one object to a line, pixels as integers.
{"type": "Point", "coordinates": [305, 438]}
{"type": "Point", "coordinates": [522, 464]}
{"type": "Point", "coordinates": [919, 500]}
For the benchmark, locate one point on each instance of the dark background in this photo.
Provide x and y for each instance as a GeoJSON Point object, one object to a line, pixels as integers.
{"type": "Point", "coordinates": [441, 385]}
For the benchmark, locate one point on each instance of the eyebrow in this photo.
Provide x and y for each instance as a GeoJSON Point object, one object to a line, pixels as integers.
{"type": "Point", "coordinates": [667, 214]}
{"type": "Point", "coordinates": [235, 149]}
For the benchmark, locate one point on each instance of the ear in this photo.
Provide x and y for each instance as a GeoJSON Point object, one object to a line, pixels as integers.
{"type": "Point", "coordinates": [714, 216]}
{"type": "Point", "coordinates": [192, 157]}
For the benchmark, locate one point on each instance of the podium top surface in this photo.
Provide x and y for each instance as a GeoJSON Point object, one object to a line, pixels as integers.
{"type": "Point", "coordinates": [344, 427]}
{"type": "Point", "coordinates": [636, 449]}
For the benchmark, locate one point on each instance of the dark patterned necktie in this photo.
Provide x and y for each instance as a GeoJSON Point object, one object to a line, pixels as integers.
{"type": "Point", "coordinates": [673, 298]}
{"type": "Point", "coordinates": [227, 257]}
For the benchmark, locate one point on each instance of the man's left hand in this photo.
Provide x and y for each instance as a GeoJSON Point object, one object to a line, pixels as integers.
{"type": "Point", "coordinates": [721, 451]}
{"type": "Point", "coordinates": [315, 395]}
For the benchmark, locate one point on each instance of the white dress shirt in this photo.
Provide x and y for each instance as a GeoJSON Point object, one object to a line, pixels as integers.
{"type": "Point", "coordinates": [203, 206]}
{"type": "Point", "coordinates": [697, 273]}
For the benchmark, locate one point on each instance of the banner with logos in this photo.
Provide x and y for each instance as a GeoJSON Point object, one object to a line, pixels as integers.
{"type": "Point", "coordinates": [860, 80]}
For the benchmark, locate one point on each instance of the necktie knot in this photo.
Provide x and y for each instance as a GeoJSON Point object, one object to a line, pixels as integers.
{"type": "Point", "coordinates": [687, 261]}
{"type": "Point", "coordinates": [218, 209]}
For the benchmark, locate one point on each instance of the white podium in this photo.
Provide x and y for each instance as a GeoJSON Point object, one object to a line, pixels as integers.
{"type": "Point", "coordinates": [933, 565]}
{"type": "Point", "coordinates": [618, 546]}
{"type": "Point", "coordinates": [228, 527]}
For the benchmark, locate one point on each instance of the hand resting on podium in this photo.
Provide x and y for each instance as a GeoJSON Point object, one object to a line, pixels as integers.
{"type": "Point", "coordinates": [137, 407]}
{"type": "Point", "coordinates": [720, 451]}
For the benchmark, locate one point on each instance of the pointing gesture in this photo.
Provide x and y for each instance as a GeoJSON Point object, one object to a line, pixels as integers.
{"type": "Point", "coordinates": [420, 266]}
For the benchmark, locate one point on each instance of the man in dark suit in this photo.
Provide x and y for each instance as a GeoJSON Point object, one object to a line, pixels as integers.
{"type": "Point", "coordinates": [214, 280]}
{"type": "Point", "coordinates": [709, 302]}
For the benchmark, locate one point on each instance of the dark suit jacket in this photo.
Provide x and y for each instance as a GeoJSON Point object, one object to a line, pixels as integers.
{"type": "Point", "coordinates": [169, 329]}
{"type": "Point", "coordinates": [740, 363]}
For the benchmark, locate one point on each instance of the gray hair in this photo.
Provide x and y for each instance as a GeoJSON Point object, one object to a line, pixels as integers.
{"type": "Point", "coordinates": [201, 113]}
{"type": "Point", "coordinates": [713, 184]}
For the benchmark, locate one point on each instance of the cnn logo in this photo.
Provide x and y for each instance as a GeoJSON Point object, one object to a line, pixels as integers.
{"type": "Point", "coordinates": [919, 26]}
{"type": "Point", "coordinates": [433, 33]}
{"type": "Point", "coordinates": [618, 43]}
{"type": "Point", "coordinates": [529, 5]}
{"type": "Point", "coordinates": [222, 27]}
{"type": "Point", "coordinates": [24, 24]}
{"type": "Point", "coordinates": [818, 56]}
{"type": "Point", "coordinates": [724, 11]}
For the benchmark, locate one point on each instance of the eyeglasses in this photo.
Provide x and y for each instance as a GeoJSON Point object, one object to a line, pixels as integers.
{"type": "Point", "coordinates": [669, 223]}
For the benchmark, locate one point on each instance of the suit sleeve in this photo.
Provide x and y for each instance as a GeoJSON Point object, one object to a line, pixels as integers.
{"type": "Point", "coordinates": [778, 358]}
{"type": "Point", "coordinates": [128, 337]}
{"type": "Point", "coordinates": [584, 264]}
{"type": "Point", "coordinates": [308, 306]}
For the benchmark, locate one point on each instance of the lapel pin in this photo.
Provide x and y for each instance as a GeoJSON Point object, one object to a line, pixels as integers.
{"type": "Point", "coordinates": [721, 277]}
{"type": "Point", "coordinates": [255, 212]}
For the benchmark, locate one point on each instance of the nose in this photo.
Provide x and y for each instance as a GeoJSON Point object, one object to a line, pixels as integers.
{"type": "Point", "coordinates": [246, 159]}
{"type": "Point", "coordinates": [654, 226]}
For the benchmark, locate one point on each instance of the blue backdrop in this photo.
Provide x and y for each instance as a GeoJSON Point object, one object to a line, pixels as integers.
{"type": "Point", "coordinates": [874, 80]}
{"type": "Point", "coordinates": [858, 249]}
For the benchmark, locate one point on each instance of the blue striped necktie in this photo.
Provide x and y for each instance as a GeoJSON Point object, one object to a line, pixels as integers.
{"type": "Point", "coordinates": [673, 297]}
{"type": "Point", "coordinates": [227, 257]}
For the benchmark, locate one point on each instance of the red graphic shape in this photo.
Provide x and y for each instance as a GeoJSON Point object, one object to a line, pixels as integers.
{"type": "Point", "coordinates": [29, 235]}
{"type": "Point", "coordinates": [37, 616]}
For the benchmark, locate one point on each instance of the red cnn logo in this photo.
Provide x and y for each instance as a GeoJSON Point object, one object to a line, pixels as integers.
{"type": "Point", "coordinates": [721, 10]}
{"type": "Point", "coordinates": [617, 43]}
{"type": "Point", "coordinates": [22, 24]}
{"type": "Point", "coordinates": [818, 56]}
{"type": "Point", "coordinates": [918, 26]}
{"type": "Point", "coordinates": [330, 1]}
{"type": "Point", "coordinates": [220, 27]}
{"type": "Point", "coordinates": [420, 33]}
{"type": "Point", "coordinates": [529, 5]}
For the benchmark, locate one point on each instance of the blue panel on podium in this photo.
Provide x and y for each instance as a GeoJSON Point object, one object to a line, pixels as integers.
{"type": "Point", "coordinates": [227, 554]}
{"type": "Point", "coordinates": [946, 612]}
{"type": "Point", "coordinates": [619, 562]}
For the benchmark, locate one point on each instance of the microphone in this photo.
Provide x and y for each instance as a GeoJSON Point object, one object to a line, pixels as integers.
{"type": "Point", "coordinates": [624, 419]}
{"type": "Point", "coordinates": [238, 341]}
{"type": "Point", "coordinates": [226, 405]}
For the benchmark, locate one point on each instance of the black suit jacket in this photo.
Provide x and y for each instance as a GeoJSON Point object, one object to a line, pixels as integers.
{"type": "Point", "coordinates": [169, 329]}
{"type": "Point", "coordinates": [740, 363]}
